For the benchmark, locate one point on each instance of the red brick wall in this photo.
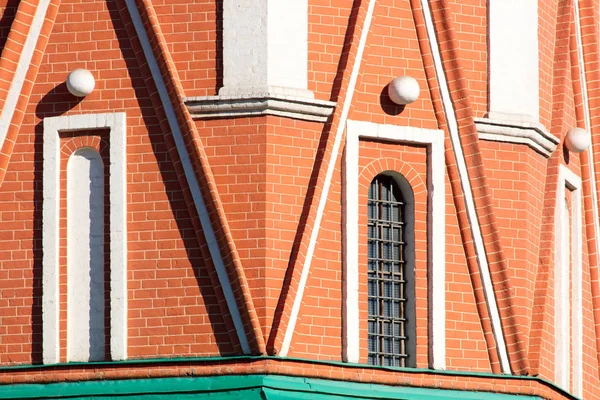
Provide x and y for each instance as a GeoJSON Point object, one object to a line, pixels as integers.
{"type": "Point", "coordinates": [547, 40]}
{"type": "Point", "coordinates": [190, 30]}
{"type": "Point", "coordinates": [470, 26]}
{"type": "Point", "coordinates": [392, 50]}
{"type": "Point", "coordinates": [172, 306]}
{"type": "Point", "coordinates": [328, 21]}
{"type": "Point", "coordinates": [263, 168]}
{"type": "Point", "coordinates": [516, 177]}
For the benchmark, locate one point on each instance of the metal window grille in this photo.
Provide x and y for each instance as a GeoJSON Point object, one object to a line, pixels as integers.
{"type": "Point", "coordinates": [386, 274]}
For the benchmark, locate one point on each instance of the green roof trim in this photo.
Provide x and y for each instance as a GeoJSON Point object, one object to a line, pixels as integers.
{"type": "Point", "coordinates": [237, 387]}
{"type": "Point", "coordinates": [250, 359]}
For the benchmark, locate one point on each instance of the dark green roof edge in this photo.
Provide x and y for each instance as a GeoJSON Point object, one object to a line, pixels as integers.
{"type": "Point", "coordinates": [250, 359]}
{"type": "Point", "coordinates": [248, 387]}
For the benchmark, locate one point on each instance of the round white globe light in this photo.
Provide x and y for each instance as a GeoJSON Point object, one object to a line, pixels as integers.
{"type": "Point", "coordinates": [577, 140]}
{"type": "Point", "coordinates": [80, 82]}
{"type": "Point", "coordinates": [403, 90]}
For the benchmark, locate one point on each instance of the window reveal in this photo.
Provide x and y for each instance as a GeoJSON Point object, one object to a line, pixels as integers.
{"type": "Point", "coordinates": [387, 280]}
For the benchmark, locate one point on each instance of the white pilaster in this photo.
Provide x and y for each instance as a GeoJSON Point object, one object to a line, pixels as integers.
{"type": "Point", "coordinates": [265, 64]}
{"type": "Point", "coordinates": [513, 60]}
{"type": "Point", "coordinates": [265, 48]}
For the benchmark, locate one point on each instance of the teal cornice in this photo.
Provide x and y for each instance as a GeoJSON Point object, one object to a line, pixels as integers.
{"type": "Point", "coordinates": [238, 387]}
{"type": "Point", "coordinates": [250, 359]}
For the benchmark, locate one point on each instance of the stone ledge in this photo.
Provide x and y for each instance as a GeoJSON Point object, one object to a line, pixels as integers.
{"type": "Point", "coordinates": [531, 134]}
{"type": "Point", "coordinates": [263, 104]}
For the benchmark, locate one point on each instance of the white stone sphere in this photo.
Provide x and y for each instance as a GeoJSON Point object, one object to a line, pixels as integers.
{"type": "Point", "coordinates": [80, 82]}
{"type": "Point", "coordinates": [577, 140]}
{"type": "Point", "coordinates": [404, 90]}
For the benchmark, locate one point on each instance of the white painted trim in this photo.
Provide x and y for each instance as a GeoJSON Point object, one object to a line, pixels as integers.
{"type": "Point", "coordinates": [436, 232]}
{"type": "Point", "coordinates": [190, 176]}
{"type": "Point", "coordinates": [287, 339]}
{"type": "Point", "coordinates": [118, 238]}
{"type": "Point", "coordinates": [116, 122]}
{"type": "Point", "coordinates": [484, 268]}
{"type": "Point", "coordinates": [261, 104]}
{"type": "Point", "coordinates": [12, 97]}
{"type": "Point", "coordinates": [534, 135]}
{"type": "Point", "coordinates": [569, 313]}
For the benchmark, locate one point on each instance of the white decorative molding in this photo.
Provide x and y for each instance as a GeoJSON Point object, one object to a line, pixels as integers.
{"type": "Point", "coordinates": [436, 232]}
{"type": "Point", "coordinates": [568, 275]}
{"type": "Point", "coordinates": [190, 176]}
{"type": "Point", "coordinates": [534, 135]}
{"type": "Point", "coordinates": [289, 333]}
{"type": "Point", "coordinates": [259, 104]}
{"type": "Point", "coordinates": [116, 123]}
{"type": "Point", "coordinates": [12, 97]}
{"type": "Point", "coordinates": [265, 64]}
{"type": "Point", "coordinates": [513, 60]}
{"type": "Point", "coordinates": [484, 268]}
{"type": "Point", "coordinates": [85, 256]}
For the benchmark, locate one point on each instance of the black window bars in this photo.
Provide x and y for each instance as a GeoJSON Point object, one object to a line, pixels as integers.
{"type": "Point", "coordinates": [387, 297]}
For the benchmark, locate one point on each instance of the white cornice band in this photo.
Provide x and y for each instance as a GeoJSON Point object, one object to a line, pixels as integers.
{"type": "Point", "coordinates": [528, 133]}
{"type": "Point", "coordinates": [302, 108]}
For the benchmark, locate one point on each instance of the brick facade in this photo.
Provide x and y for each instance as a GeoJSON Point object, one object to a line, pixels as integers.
{"type": "Point", "coordinates": [236, 225]}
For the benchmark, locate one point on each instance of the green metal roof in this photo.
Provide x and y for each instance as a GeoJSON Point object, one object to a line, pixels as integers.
{"type": "Point", "coordinates": [237, 387]}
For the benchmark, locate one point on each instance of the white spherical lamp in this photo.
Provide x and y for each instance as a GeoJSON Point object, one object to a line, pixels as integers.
{"type": "Point", "coordinates": [80, 82]}
{"type": "Point", "coordinates": [404, 90]}
{"type": "Point", "coordinates": [577, 140]}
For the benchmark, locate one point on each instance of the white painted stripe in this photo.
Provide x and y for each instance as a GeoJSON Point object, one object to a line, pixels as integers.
{"type": "Point", "coordinates": [436, 232]}
{"type": "Point", "coordinates": [50, 246]}
{"type": "Point", "coordinates": [484, 268]}
{"type": "Point", "coordinates": [116, 122]}
{"type": "Point", "coordinates": [287, 339]}
{"type": "Point", "coordinates": [16, 85]}
{"type": "Point", "coordinates": [190, 176]}
{"type": "Point", "coordinates": [568, 261]}
{"type": "Point", "coordinates": [118, 237]}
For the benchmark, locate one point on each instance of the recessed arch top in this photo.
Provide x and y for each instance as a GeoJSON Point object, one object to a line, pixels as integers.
{"type": "Point", "coordinates": [117, 188]}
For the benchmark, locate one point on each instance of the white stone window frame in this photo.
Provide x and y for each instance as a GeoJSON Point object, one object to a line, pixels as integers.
{"type": "Point", "coordinates": [568, 312]}
{"type": "Point", "coordinates": [436, 231]}
{"type": "Point", "coordinates": [53, 126]}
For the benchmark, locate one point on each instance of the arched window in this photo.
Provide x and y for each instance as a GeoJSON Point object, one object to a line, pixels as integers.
{"type": "Point", "coordinates": [391, 272]}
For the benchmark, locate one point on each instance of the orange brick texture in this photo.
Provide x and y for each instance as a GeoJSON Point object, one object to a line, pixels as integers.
{"type": "Point", "coordinates": [262, 179]}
